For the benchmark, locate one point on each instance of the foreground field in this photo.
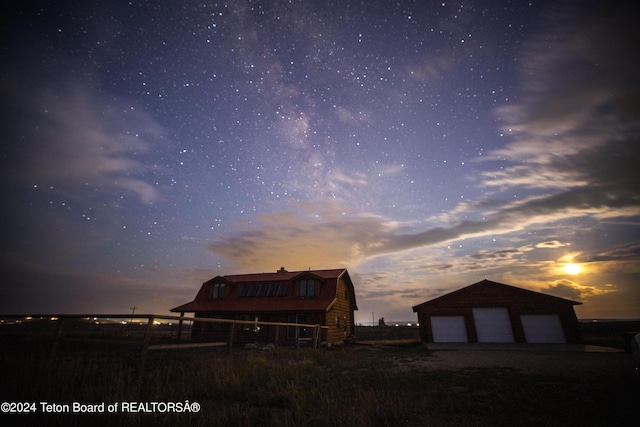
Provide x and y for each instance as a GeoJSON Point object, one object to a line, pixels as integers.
{"type": "Point", "coordinates": [355, 385]}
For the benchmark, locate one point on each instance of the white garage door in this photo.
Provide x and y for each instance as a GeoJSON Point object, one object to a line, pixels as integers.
{"type": "Point", "coordinates": [448, 329]}
{"type": "Point", "coordinates": [493, 324]}
{"type": "Point", "coordinates": [542, 328]}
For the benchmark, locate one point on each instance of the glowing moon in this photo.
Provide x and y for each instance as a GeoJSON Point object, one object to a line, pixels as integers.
{"type": "Point", "coordinates": [572, 268]}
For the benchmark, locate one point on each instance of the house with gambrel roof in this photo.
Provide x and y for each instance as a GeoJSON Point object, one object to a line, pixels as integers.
{"type": "Point", "coordinates": [316, 297]}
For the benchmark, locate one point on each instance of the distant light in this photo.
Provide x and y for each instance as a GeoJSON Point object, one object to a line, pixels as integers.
{"type": "Point", "coordinates": [54, 318]}
{"type": "Point", "coordinates": [408, 324]}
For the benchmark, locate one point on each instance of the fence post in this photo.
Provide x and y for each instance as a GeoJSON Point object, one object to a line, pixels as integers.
{"type": "Point", "coordinates": [316, 336]}
{"type": "Point", "coordinates": [232, 328]}
{"type": "Point", "coordinates": [58, 337]}
{"type": "Point", "coordinates": [145, 348]}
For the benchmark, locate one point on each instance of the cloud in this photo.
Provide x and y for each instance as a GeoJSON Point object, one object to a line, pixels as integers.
{"type": "Point", "coordinates": [577, 123]}
{"type": "Point", "coordinates": [335, 238]}
{"type": "Point", "coordinates": [69, 136]}
{"type": "Point", "coordinates": [628, 252]}
{"type": "Point", "coordinates": [568, 289]}
{"type": "Point", "coordinates": [551, 244]}
{"type": "Point", "coordinates": [311, 235]}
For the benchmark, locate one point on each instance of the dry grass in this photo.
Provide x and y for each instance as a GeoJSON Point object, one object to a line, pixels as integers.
{"type": "Point", "coordinates": [390, 381]}
{"type": "Point", "coordinates": [350, 385]}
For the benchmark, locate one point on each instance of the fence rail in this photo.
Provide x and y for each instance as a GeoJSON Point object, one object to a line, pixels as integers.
{"type": "Point", "coordinates": [151, 319]}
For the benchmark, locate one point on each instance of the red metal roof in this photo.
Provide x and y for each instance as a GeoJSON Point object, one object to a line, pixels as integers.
{"type": "Point", "coordinates": [484, 284]}
{"type": "Point", "coordinates": [232, 302]}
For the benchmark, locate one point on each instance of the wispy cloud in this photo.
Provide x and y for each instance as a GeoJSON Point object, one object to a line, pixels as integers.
{"type": "Point", "coordinates": [74, 138]}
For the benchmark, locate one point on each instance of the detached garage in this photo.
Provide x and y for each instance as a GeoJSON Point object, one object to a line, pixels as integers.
{"type": "Point", "coordinates": [492, 312]}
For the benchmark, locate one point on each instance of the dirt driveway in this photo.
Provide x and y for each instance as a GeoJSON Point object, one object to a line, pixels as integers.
{"type": "Point", "coordinates": [570, 360]}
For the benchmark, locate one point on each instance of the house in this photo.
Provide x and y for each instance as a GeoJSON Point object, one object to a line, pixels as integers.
{"type": "Point", "coordinates": [314, 297]}
{"type": "Point", "coordinates": [494, 312]}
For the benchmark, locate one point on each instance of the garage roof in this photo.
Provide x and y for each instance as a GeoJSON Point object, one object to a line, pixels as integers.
{"type": "Point", "coordinates": [493, 290]}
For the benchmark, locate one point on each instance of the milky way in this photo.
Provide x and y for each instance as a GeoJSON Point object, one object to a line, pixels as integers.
{"type": "Point", "coordinates": [422, 145]}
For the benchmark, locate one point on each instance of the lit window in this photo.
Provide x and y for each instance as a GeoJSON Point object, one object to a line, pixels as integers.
{"type": "Point", "coordinates": [248, 327]}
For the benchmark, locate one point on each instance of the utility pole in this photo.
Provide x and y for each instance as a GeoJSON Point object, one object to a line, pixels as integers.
{"type": "Point", "coordinates": [133, 311]}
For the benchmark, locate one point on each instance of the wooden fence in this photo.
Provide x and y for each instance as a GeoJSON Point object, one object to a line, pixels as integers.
{"type": "Point", "coordinates": [152, 320]}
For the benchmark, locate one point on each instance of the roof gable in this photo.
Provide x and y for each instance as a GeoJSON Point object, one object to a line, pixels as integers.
{"type": "Point", "coordinates": [218, 279]}
{"type": "Point", "coordinates": [489, 290]}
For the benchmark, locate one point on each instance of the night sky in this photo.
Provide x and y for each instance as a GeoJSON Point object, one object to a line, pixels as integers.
{"type": "Point", "coordinates": [150, 146]}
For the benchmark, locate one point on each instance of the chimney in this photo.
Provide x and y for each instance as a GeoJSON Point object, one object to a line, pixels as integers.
{"type": "Point", "coordinates": [282, 270]}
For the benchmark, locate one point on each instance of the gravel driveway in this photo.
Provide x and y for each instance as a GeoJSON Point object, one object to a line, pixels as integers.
{"type": "Point", "coordinates": [570, 360]}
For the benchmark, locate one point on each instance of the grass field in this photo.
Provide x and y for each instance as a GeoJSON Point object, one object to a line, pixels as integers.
{"type": "Point", "coordinates": [354, 385]}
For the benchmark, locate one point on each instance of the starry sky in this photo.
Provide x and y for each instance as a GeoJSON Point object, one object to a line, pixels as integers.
{"type": "Point", "coordinates": [423, 145]}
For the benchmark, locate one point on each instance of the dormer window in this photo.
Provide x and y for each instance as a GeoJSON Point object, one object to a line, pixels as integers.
{"type": "Point", "coordinates": [218, 290]}
{"type": "Point", "coordinates": [307, 287]}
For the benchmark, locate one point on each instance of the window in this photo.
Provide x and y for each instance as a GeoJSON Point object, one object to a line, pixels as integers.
{"type": "Point", "coordinates": [282, 289]}
{"type": "Point", "coordinates": [218, 290]}
{"type": "Point", "coordinates": [291, 330]}
{"type": "Point", "coordinates": [262, 289]}
{"type": "Point", "coordinates": [267, 289]}
{"type": "Point", "coordinates": [253, 288]}
{"type": "Point", "coordinates": [243, 290]}
{"type": "Point", "coordinates": [307, 288]}
{"type": "Point", "coordinates": [271, 291]}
